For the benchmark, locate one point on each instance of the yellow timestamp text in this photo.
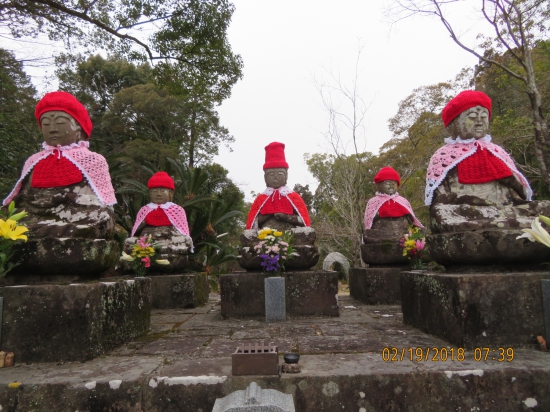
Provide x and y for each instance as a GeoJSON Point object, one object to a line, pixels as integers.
{"type": "Point", "coordinates": [435, 354]}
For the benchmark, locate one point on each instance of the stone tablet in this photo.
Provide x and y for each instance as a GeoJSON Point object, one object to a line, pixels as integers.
{"type": "Point", "coordinates": [256, 399]}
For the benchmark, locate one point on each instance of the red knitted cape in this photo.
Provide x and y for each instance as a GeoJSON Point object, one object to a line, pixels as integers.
{"type": "Point", "coordinates": [392, 209]}
{"type": "Point", "coordinates": [157, 217]}
{"type": "Point", "coordinates": [482, 167]}
{"type": "Point", "coordinates": [295, 199]}
{"type": "Point", "coordinates": [55, 171]}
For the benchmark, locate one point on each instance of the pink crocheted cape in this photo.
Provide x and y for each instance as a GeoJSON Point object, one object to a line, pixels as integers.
{"type": "Point", "coordinates": [375, 203]}
{"type": "Point", "coordinates": [92, 165]}
{"type": "Point", "coordinates": [455, 151]}
{"type": "Point", "coordinates": [176, 215]}
{"type": "Point", "coordinates": [294, 198]}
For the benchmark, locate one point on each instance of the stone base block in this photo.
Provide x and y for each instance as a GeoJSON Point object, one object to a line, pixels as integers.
{"type": "Point", "coordinates": [481, 310]}
{"type": "Point", "coordinates": [51, 257]}
{"type": "Point", "coordinates": [179, 291]}
{"type": "Point", "coordinates": [383, 253]}
{"type": "Point", "coordinates": [77, 322]}
{"type": "Point", "coordinates": [486, 247]}
{"type": "Point", "coordinates": [307, 293]}
{"type": "Point", "coordinates": [375, 286]}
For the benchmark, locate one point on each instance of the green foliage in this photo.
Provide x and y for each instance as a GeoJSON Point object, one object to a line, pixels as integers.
{"type": "Point", "coordinates": [19, 133]}
{"type": "Point", "coordinates": [190, 33]}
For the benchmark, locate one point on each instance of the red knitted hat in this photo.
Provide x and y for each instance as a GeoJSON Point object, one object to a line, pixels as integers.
{"type": "Point", "coordinates": [275, 156]}
{"type": "Point", "coordinates": [387, 173]}
{"type": "Point", "coordinates": [464, 101]}
{"type": "Point", "coordinates": [161, 179]}
{"type": "Point", "coordinates": [65, 102]}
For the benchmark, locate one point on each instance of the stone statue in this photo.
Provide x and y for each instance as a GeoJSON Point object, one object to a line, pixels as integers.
{"type": "Point", "coordinates": [478, 199]}
{"type": "Point", "coordinates": [279, 207]}
{"type": "Point", "coordinates": [387, 218]}
{"type": "Point", "coordinates": [67, 191]}
{"type": "Point", "coordinates": [166, 222]}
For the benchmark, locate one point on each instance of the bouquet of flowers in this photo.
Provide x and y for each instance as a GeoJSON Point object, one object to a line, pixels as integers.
{"type": "Point", "coordinates": [10, 232]}
{"type": "Point", "coordinates": [275, 249]}
{"type": "Point", "coordinates": [537, 233]}
{"type": "Point", "coordinates": [413, 243]}
{"type": "Point", "coordinates": [141, 255]}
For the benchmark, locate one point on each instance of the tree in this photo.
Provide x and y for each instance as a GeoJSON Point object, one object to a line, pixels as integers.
{"type": "Point", "coordinates": [19, 133]}
{"type": "Point", "coordinates": [518, 26]}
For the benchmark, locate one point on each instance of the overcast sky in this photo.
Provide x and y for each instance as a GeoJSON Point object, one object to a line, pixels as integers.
{"type": "Point", "coordinates": [286, 44]}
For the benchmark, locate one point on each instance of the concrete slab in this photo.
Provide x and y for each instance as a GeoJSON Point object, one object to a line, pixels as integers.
{"type": "Point", "coordinates": [340, 371]}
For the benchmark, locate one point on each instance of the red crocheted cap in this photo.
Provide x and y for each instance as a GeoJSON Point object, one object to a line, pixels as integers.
{"type": "Point", "coordinates": [387, 173]}
{"type": "Point", "coordinates": [65, 102]}
{"type": "Point", "coordinates": [464, 101]}
{"type": "Point", "coordinates": [161, 179]}
{"type": "Point", "coordinates": [275, 156]}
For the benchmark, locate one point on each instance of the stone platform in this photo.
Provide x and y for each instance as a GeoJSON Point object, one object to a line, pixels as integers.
{"type": "Point", "coordinates": [308, 293]}
{"type": "Point", "coordinates": [376, 286]}
{"type": "Point", "coordinates": [76, 322]}
{"type": "Point", "coordinates": [475, 310]}
{"type": "Point", "coordinates": [179, 291]}
{"type": "Point", "coordinates": [184, 364]}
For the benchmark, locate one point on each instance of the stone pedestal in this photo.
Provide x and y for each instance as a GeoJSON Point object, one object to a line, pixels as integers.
{"type": "Point", "coordinates": [76, 322]}
{"type": "Point", "coordinates": [376, 286]}
{"type": "Point", "coordinates": [545, 286]}
{"type": "Point", "coordinates": [307, 293]}
{"type": "Point", "coordinates": [481, 310]}
{"type": "Point", "coordinates": [179, 291]}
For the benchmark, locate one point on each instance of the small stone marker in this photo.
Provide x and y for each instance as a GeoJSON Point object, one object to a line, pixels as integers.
{"type": "Point", "coordinates": [275, 302]}
{"type": "Point", "coordinates": [256, 399]}
{"type": "Point", "coordinates": [545, 285]}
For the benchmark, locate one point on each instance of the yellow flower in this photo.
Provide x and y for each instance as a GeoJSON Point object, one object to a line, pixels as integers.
{"type": "Point", "coordinates": [410, 244]}
{"type": "Point", "coordinates": [264, 233]}
{"type": "Point", "coordinates": [277, 233]}
{"type": "Point", "coordinates": [162, 261]}
{"type": "Point", "coordinates": [10, 230]}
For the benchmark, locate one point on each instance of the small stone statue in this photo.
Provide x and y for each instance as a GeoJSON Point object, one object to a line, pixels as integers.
{"type": "Point", "coordinates": [387, 218]}
{"type": "Point", "coordinates": [166, 222]}
{"type": "Point", "coordinates": [279, 207]}
{"type": "Point", "coordinates": [478, 199]}
{"type": "Point", "coordinates": [66, 190]}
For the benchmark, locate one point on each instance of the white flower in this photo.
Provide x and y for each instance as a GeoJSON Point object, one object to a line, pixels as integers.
{"type": "Point", "coordinates": [127, 257]}
{"type": "Point", "coordinates": [537, 232]}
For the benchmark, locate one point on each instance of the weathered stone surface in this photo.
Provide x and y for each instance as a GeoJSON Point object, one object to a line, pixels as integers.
{"type": "Point", "coordinates": [275, 308]}
{"type": "Point", "coordinates": [545, 286]}
{"type": "Point", "coordinates": [375, 286]}
{"type": "Point", "coordinates": [255, 399]}
{"type": "Point", "coordinates": [485, 247]}
{"type": "Point", "coordinates": [51, 259]}
{"type": "Point", "coordinates": [479, 310]}
{"type": "Point", "coordinates": [304, 239]}
{"type": "Point", "coordinates": [77, 322]}
{"type": "Point", "coordinates": [174, 247]}
{"type": "Point", "coordinates": [355, 377]}
{"type": "Point", "coordinates": [311, 293]}
{"type": "Point", "coordinates": [179, 291]}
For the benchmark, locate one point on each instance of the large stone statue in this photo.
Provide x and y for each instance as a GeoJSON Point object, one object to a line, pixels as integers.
{"type": "Point", "coordinates": [279, 207]}
{"type": "Point", "coordinates": [387, 218]}
{"type": "Point", "coordinates": [479, 200]}
{"type": "Point", "coordinates": [67, 191]}
{"type": "Point", "coordinates": [166, 222]}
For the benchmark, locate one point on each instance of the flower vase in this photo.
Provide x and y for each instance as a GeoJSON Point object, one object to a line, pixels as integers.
{"type": "Point", "coordinates": [275, 301]}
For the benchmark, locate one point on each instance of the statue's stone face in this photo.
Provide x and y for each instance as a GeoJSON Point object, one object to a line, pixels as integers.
{"type": "Point", "coordinates": [275, 178]}
{"type": "Point", "coordinates": [161, 195]}
{"type": "Point", "coordinates": [471, 123]}
{"type": "Point", "coordinates": [60, 128]}
{"type": "Point", "coordinates": [388, 187]}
